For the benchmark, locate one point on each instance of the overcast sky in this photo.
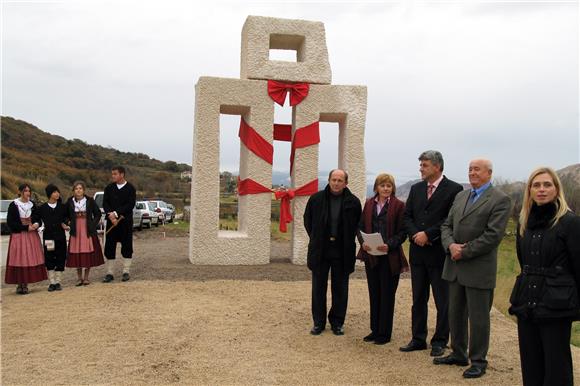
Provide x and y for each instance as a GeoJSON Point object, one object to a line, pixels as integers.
{"type": "Point", "coordinates": [492, 78]}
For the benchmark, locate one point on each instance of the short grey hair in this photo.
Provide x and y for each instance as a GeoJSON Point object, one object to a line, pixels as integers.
{"type": "Point", "coordinates": [434, 156]}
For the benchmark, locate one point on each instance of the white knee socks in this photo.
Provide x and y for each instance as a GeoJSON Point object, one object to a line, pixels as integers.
{"type": "Point", "coordinates": [57, 277]}
{"type": "Point", "coordinates": [126, 265]}
{"type": "Point", "coordinates": [110, 266]}
{"type": "Point", "coordinates": [51, 277]}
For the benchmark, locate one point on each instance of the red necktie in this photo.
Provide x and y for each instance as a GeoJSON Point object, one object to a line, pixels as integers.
{"type": "Point", "coordinates": [430, 190]}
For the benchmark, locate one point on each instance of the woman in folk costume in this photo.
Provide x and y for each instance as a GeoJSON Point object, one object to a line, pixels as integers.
{"type": "Point", "coordinates": [54, 217]}
{"type": "Point", "coordinates": [25, 262]}
{"type": "Point", "coordinates": [84, 249]}
{"type": "Point", "coordinates": [383, 214]}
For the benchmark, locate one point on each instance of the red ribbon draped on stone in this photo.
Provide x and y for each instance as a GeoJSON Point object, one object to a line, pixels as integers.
{"type": "Point", "coordinates": [255, 142]}
{"type": "Point", "coordinates": [303, 137]}
{"type": "Point", "coordinates": [282, 132]}
{"type": "Point", "coordinates": [249, 186]}
{"type": "Point", "coordinates": [286, 195]}
{"type": "Point", "coordinates": [277, 91]}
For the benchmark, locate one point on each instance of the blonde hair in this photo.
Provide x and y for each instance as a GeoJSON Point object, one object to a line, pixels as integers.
{"type": "Point", "coordinates": [385, 178]}
{"type": "Point", "coordinates": [560, 200]}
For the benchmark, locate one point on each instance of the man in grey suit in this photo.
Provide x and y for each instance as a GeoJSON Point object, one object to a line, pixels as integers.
{"type": "Point", "coordinates": [470, 236]}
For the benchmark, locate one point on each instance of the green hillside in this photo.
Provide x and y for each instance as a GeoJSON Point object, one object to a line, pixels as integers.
{"type": "Point", "coordinates": [37, 157]}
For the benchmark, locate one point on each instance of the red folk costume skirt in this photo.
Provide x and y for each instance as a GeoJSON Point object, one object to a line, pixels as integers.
{"type": "Point", "coordinates": [84, 251]}
{"type": "Point", "coordinates": [25, 263]}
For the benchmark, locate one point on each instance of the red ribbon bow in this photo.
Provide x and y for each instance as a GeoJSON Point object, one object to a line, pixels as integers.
{"type": "Point", "coordinates": [277, 91]}
{"type": "Point", "coordinates": [285, 196]}
{"type": "Point", "coordinates": [249, 186]}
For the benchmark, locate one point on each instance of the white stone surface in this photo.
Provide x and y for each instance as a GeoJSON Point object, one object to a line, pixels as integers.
{"type": "Point", "coordinates": [346, 105]}
{"type": "Point", "coordinates": [248, 97]}
{"type": "Point", "coordinates": [251, 243]}
{"type": "Point", "coordinates": [260, 34]}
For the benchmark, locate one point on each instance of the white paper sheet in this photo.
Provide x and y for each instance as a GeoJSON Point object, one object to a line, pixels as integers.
{"type": "Point", "coordinates": [373, 240]}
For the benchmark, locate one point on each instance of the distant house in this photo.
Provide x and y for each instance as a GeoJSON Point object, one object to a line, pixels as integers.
{"type": "Point", "coordinates": [186, 175]}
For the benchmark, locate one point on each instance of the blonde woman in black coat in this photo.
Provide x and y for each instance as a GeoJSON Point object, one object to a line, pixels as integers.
{"type": "Point", "coordinates": [545, 297]}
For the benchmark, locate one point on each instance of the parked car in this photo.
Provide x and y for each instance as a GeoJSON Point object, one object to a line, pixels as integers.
{"type": "Point", "coordinates": [98, 196]}
{"type": "Point", "coordinates": [172, 207]}
{"type": "Point", "coordinates": [159, 215]}
{"type": "Point", "coordinates": [161, 207]}
{"type": "Point", "coordinates": [3, 215]}
{"type": "Point", "coordinates": [142, 216]}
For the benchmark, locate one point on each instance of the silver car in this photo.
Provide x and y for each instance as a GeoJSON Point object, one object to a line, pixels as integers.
{"type": "Point", "coordinates": [3, 215]}
{"type": "Point", "coordinates": [161, 208]}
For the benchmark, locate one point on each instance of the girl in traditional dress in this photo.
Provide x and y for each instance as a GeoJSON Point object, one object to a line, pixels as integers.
{"type": "Point", "coordinates": [84, 249]}
{"type": "Point", "coordinates": [25, 263]}
{"type": "Point", "coordinates": [54, 217]}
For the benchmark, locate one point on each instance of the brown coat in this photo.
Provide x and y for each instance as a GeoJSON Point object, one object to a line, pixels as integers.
{"type": "Point", "coordinates": [395, 234]}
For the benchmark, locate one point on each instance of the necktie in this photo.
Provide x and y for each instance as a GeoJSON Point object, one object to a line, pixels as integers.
{"type": "Point", "coordinates": [430, 190]}
{"type": "Point", "coordinates": [470, 200]}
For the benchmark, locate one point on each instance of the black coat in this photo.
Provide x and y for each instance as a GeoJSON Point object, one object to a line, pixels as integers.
{"type": "Point", "coordinates": [13, 218]}
{"type": "Point", "coordinates": [428, 216]}
{"type": "Point", "coordinates": [93, 216]}
{"type": "Point", "coordinates": [52, 219]}
{"type": "Point", "coordinates": [316, 223]}
{"type": "Point", "coordinates": [549, 284]}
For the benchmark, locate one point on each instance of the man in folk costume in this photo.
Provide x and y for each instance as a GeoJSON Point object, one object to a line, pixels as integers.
{"type": "Point", "coordinates": [118, 202]}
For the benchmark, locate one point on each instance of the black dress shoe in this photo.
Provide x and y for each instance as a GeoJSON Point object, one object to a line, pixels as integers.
{"type": "Point", "coordinates": [317, 330]}
{"type": "Point", "coordinates": [338, 330]}
{"type": "Point", "coordinates": [382, 340]}
{"type": "Point", "coordinates": [450, 360]}
{"type": "Point", "coordinates": [413, 346]}
{"type": "Point", "coordinates": [474, 372]}
{"type": "Point", "coordinates": [125, 277]}
{"type": "Point", "coordinates": [58, 287]}
{"type": "Point", "coordinates": [108, 278]}
{"type": "Point", "coordinates": [51, 287]}
{"type": "Point", "coordinates": [437, 351]}
{"type": "Point", "coordinates": [369, 338]}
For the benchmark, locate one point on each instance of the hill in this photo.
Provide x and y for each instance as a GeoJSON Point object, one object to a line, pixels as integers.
{"type": "Point", "coordinates": [37, 157]}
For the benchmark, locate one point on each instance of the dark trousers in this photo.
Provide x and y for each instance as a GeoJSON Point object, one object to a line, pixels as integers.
{"type": "Point", "coordinates": [122, 233]}
{"type": "Point", "coordinates": [469, 310]}
{"type": "Point", "coordinates": [545, 352]}
{"type": "Point", "coordinates": [339, 291]}
{"type": "Point", "coordinates": [382, 288]}
{"type": "Point", "coordinates": [423, 277]}
{"type": "Point", "coordinates": [54, 260]}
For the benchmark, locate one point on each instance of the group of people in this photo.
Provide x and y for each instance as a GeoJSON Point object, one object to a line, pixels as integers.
{"type": "Point", "coordinates": [30, 260]}
{"type": "Point", "coordinates": [454, 236]}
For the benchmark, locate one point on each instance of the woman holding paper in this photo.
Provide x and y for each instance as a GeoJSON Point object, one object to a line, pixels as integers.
{"type": "Point", "coordinates": [383, 214]}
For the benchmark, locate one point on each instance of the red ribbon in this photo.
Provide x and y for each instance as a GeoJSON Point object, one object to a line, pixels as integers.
{"type": "Point", "coordinates": [255, 142]}
{"type": "Point", "coordinates": [277, 91]}
{"type": "Point", "coordinates": [249, 186]}
{"type": "Point", "coordinates": [282, 132]}
{"type": "Point", "coordinates": [303, 137]}
{"type": "Point", "coordinates": [285, 196]}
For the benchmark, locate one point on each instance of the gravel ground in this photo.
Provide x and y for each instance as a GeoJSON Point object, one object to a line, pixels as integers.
{"type": "Point", "coordinates": [179, 323]}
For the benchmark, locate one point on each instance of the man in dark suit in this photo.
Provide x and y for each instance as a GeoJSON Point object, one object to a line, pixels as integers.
{"type": "Point", "coordinates": [471, 236]}
{"type": "Point", "coordinates": [426, 208]}
{"type": "Point", "coordinates": [331, 220]}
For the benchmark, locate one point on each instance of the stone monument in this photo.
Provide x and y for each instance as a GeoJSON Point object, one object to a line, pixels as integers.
{"type": "Point", "coordinates": [262, 83]}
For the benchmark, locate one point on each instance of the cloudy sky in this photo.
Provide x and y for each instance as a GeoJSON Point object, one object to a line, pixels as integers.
{"type": "Point", "coordinates": [469, 78]}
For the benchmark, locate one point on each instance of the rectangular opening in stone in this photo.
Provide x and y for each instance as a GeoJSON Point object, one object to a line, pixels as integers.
{"type": "Point", "coordinates": [289, 48]}
{"type": "Point", "coordinates": [328, 149]}
{"type": "Point", "coordinates": [229, 169]}
{"type": "Point", "coordinates": [280, 247]}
